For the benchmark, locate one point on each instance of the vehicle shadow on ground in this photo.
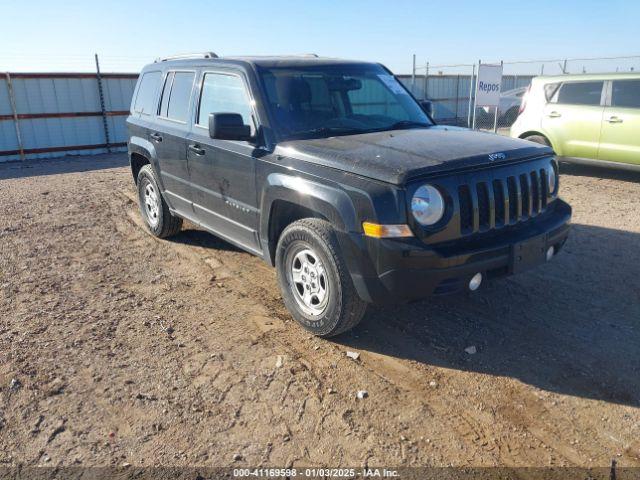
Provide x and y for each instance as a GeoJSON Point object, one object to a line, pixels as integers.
{"type": "Point", "coordinates": [202, 238]}
{"type": "Point", "coordinates": [599, 172]}
{"type": "Point", "coordinates": [57, 166]}
{"type": "Point", "coordinates": [571, 326]}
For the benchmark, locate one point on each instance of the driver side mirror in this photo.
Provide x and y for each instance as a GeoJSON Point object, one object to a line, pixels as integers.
{"type": "Point", "coordinates": [427, 106]}
{"type": "Point", "coordinates": [228, 126]}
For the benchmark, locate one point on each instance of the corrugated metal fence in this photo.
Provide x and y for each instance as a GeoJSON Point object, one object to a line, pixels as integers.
{"type": "Point", "coordinates": [60, 114]}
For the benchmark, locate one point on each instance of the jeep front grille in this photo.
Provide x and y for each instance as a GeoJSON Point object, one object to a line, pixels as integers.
{"type": "Point", "coordinates": [504, 201]}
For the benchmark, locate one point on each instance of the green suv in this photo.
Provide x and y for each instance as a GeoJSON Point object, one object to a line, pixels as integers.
{"type": "Point", "coordinates": [592, 119]}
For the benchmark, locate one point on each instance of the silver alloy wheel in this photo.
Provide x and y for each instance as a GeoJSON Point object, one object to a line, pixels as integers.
{"type": "Point", "coordinates": [309, 281]}
{"type": "Point", "coordinates": [151, 204]}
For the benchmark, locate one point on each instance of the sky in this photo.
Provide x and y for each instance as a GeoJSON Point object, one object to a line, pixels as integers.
{"type": "Point", "coordinates": [63, 35]}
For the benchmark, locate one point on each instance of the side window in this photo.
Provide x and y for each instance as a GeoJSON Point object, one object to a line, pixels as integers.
{"type": "Point", "coordinates": [222, 93]}
{"type": "Point", "coordinates": [580, 93]}
{"type": "Point", "coordinates": [145, 99]}
{"type": "Point", "coordinates": [178, 104]}
{"type": "Point", "coordinates": [626, 93]}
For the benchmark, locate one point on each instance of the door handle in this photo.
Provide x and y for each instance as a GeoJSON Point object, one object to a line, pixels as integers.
{"type": "Point", "coordinates": [156, 137]}
{"type": "Point", "coordinates": [196, 149]}
{"type": "Point", "coordinates": [614, 120]}
{"type": "Point", "coordinates": [554, 114]}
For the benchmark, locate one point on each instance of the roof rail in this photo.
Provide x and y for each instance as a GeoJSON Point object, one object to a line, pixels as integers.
{"type": "Point", "coordinates": [187, 56]}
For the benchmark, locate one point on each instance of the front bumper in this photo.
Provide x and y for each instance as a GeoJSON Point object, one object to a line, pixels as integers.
{"type": "Point", "coordinates": [402, 270]}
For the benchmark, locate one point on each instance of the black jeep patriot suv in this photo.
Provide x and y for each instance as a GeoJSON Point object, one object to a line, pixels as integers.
{"type": "Point", "coordinates": [332, 171]}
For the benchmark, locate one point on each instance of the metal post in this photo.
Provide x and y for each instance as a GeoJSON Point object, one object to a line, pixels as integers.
{"type": "Point", "coordinates": [495, 116]}
{"type": "Point", "coordinates": [564, 66]}
{"type": "Point", "coordinates": [473, 124]}
{"type": "Point", "coordinates": [413, 76]}
{"type": "Point", "coordinates": [473, 74]}
{"type": "Point", "coordinates": [542, 69]}
{"type": "Point", "coordinates": [457, 95]}
{"type": "Point", "coordinates": [426, 81]}
{"type": "Point", "coordinates": [14, 110]}
{"type": "Point", "coordinates": [102, 108]}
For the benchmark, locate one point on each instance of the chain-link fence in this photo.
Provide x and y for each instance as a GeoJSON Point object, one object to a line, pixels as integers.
{"type": "Point", "coordinates": [451, 88]}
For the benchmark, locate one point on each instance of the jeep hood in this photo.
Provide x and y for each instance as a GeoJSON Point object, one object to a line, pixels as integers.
{"type": "Point", "coordinates": [400, 155]}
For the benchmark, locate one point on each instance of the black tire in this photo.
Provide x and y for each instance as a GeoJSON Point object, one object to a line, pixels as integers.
{"type": "Point", "coordinates": [538, 139]}
{"type": "Point", "coordinates": [159, 221]}
{"type": "Point", "coordinates": [343, 308]}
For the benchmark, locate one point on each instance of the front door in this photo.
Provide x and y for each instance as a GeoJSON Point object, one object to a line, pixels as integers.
{"type": "Point", "coordinates": [223, 171]}
{"type": "Point", "coordinates": [168, 136]}
{"type": "Point", "coordinates": [620, 137]}
{"type": "Point", "coordinates": [573, 117]}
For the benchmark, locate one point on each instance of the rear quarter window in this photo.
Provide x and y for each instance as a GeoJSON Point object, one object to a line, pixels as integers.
{"type": "Point", "coordinates": [550, 90]}
{"type": "Point", "coordinates": [146, 96]}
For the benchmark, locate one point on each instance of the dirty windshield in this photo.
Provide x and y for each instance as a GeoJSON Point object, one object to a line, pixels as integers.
{"type": "Point", "coordinates": [329, 100]}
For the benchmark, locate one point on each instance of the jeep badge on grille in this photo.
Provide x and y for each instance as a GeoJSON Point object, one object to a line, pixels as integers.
{"type": "Point", "coordinates": [496, 156]}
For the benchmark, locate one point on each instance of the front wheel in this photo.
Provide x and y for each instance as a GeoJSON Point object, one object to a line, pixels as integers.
{"type": "Point", "coordinates": [314, 279]}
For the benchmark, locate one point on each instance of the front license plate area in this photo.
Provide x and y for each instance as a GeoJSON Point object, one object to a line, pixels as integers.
{"type": "Point", "coordinates": [528, 254]}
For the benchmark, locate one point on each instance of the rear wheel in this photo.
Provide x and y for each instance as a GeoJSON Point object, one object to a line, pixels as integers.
{"type": "Point", "coordinates": [538, 139]}
{"type": "Point", "coordinates": [314, 279]}
{"type": "Point", "coordinates": [155, 211]}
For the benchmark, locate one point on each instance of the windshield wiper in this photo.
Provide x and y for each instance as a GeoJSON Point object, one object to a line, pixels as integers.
{"type": "Point", "coordinates": [330, 131]}
{"type": "Point", "coordinates": [408, 124]}
{"type": "Point", "coordinates": [327, 131]}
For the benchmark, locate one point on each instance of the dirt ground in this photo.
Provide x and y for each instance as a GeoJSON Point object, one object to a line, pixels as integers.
{"type": "Point", "coordinates": [117, 348]}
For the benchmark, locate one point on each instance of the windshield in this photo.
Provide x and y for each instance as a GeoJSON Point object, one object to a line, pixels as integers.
{"type": "Point", "coordinates": [328, 100]}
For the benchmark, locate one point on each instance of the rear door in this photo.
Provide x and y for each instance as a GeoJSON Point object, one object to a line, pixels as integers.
{"type": "Point", "coordinates": [168, 136]}
{"type": "Point", "coordinates": [573, 118]}
{"type": "Point", "coordinates": [143, 108]}
{"type": "Point", "coordinates": [620, 137]}
{"type": "Point", "coordinates": [223, 171]}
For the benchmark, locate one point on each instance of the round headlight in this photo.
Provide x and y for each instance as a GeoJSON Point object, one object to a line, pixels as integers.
{"type": "Point", "coordinates": [552, 180]}
{"type": "Point", "coordinates": [427, 205]}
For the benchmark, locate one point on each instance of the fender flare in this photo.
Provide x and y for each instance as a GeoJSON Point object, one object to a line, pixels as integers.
{"type": "Point", "coordinates": [147, 149]}
{"type": "Point", "coordinates": [540, 133]}
{"type": "Point", "coordinates": [332, 203]}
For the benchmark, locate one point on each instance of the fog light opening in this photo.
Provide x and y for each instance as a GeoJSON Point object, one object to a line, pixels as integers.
{"type": "Point", "coordinates": [551, 252]}
{"type": "Point", "coordinates": [475, 282]}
